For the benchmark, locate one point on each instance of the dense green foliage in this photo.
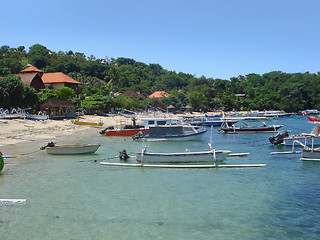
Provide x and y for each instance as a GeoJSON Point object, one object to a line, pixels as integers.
{"type": "Point", "coordinates": [274, 90]}
{"type": "Point", "coordinates": [15, 94]}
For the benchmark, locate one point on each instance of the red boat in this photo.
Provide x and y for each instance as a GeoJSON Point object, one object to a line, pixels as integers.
{"type": "Point", "coordinates": [313, 119]}
{"type": "Point", "coordinates": [123, 132]}
{"type": "Point", "coordinates": [129, 129]}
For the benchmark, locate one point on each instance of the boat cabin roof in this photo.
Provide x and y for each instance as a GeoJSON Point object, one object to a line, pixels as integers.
{"type": "Point", "coordinates": [316, 130]}
{"type": "Point", "coordinates": [163, 131]}
{"type": "Point", "coordinates": [160, 121]}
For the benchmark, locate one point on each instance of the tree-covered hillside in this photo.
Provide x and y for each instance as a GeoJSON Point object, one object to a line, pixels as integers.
{"type": "Point", "coordinates": [275, 90]}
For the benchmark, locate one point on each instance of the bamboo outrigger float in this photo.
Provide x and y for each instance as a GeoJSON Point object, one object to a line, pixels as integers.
{"type": "Point", "coordinates": [292, 151]}
{"type": "Point", "coordinates": [181, 166]}
{"type": "Point", "coordinates": [307, 154]}
{"type": "Point", "coordinates": [13, 200]}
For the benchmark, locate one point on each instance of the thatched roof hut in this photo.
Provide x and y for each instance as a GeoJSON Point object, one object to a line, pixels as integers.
{"type": "Point", "coordinates": [55, 102]}
{"type": "Point", "coordinates": [133, 94]}
{"type": "Point", "coordinates": [59, 108]}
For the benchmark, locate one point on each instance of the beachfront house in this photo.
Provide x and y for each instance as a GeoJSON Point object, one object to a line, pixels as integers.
{"type": "Point", "coordinates": [32, 77]}
{"type": "Point", "coordinates": [57, 80]}
{"type": "Point", "coordinates": [133, 94]}
{"type": "Point", "coordinates": [159, 94]}
{"type": "Point", "coordinates": [59, 108]}
{"type": "Point", "coordinates": [38, 79]}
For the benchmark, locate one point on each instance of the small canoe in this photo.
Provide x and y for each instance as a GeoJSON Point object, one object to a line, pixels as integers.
{"type": "Point", "coordinates": [78, 122]}
{"type": "Point", "coordinates": [251, 129]}
{"type": "Point", "coordinates": [72, 149]}
{"type": "Point", "coordinates": [37, 116]}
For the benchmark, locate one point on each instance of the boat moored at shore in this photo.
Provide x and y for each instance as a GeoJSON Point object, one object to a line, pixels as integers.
{"type": "Point", "coordinates": [53, 149]}
{"type": "Point", "coordinates": [171, 133]}
{"type": "Point", "coordinates": [183, 157]}
{"type": "Point", "coordinates": [307, 139]}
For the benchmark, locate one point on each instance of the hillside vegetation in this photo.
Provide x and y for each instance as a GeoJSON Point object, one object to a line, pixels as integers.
{"type": "Point", "coordinates": [291, 92]}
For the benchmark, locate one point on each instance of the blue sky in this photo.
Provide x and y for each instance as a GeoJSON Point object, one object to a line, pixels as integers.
{"type": "Point", "coordinates": [218, 39]}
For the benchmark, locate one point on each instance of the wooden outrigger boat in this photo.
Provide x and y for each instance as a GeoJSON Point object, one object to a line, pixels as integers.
{"type": "Point", "coordinates": [310, 154]}
{"type": "Point", "coordinates": [39, 116]}
{"type": "Point", "coordinates": [182, 157]}
{"type": "Point", "coordinates": [307, 139]}
{"type": "Point", "coordinates": [209, 121]}
{"type": "Point", "coordinates": [14, 114]}
{"type": "Point", "coordinates": [51, 148]}
{"type": "Point", "coordinates": [124, 128]}
{"type": "Point", "coordinates": [307, 153]}
{"type": "Point", "coordinates": [78, 122]}
{"type": "Point", "coordinates": [182, 166]}
{"type": "Point", "coordinates": [250, 129]}
{"type": "Point", "coordinates": [171, 133]}
{"type": "Point", "coordinates": [130, 128]}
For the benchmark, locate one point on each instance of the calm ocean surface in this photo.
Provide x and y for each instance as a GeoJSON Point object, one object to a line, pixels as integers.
{"type": "Point", "coordinates": [74, 197]}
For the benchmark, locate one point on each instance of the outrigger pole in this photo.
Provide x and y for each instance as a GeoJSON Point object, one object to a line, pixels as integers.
{"type": "Point", "coordinates": [210, 146]}
{"type": "Point", "coordinates": [181, 166]}
{"type": "Point", "coordinates": [293, 151]}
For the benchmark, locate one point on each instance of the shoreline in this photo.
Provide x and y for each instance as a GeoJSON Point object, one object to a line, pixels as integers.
{"type": "Point", "coordinates": [19, 135]}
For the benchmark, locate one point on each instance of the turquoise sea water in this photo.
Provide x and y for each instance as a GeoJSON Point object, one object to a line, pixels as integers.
{"type": "Point", "coordinates": [74, 197]}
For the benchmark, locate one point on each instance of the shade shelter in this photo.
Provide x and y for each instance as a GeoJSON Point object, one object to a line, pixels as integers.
{"type": "Point", "coordinates": [59, 108]}
{"type": "Point", "coordinates": [171, 108]}
{"type": "Point", "coordinates": [187, 108]}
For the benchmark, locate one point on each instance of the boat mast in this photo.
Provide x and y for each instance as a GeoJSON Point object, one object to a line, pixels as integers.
{"type": "Point", "coordinates": [211, 148]}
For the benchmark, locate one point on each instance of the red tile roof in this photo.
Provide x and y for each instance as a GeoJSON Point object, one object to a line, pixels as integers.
{"type": "Point", "coordinates": [31, 69]}
{"type": "Point", "coordinates": [57, 77]}
{"type": "Point", "coordinates": [159, 94]}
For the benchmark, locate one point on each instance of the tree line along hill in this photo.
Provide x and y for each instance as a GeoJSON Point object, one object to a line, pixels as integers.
{"type": "Point", "coordinates": [291, 92]}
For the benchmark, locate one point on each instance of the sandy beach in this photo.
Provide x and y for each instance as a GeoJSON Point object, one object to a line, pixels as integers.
{"type": "Point", "coordinates": [19, 137]}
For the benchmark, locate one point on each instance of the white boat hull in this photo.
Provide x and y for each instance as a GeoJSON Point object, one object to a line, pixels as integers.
{"type": "Point", "coordinates": [36, 117]}
{"type": "Point", "coordinates": [73, 149]}
{"type": "Point", "coordinates": [305, 140]}
{"type": "Point", "coordinates": [186, 137]}
{"type": "Point", "coordinates": [11, 116]}
{"type": "Point", "coordinates": [311, 154]}
{"type": "Point", "coordinates": [184, 157]}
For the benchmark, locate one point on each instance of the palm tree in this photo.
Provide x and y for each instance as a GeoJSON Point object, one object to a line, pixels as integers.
{"type": "Point", "coordinates": [113, 76]}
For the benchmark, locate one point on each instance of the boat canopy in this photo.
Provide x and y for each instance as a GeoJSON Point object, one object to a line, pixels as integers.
{"type": "Point", "coordinates": [316, 130]}
{"type": "Point", "coordinates": [164, 131]}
